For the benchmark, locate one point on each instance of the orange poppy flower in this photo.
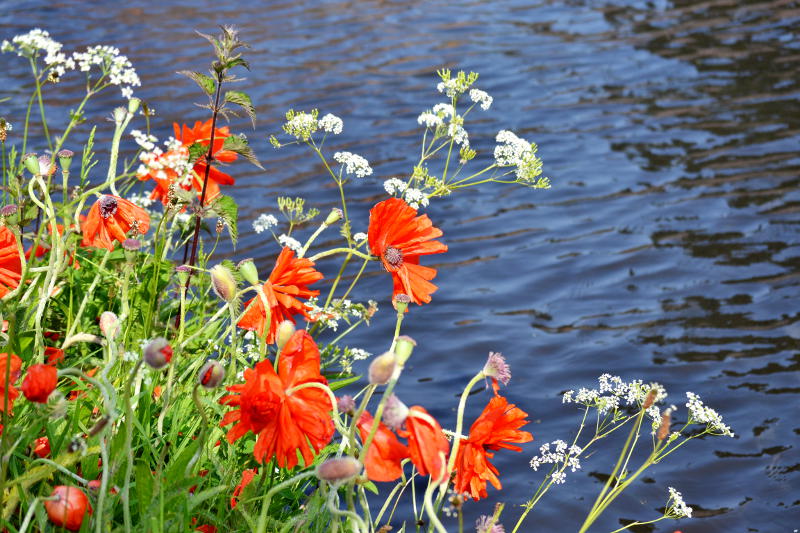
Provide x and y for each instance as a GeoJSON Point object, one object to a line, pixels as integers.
{"type": "Point", "coordinates": [288, 281]}
{"type": "Point", "coordinates": [39, 382]}
{"type": "Point", "coordinates": [285, 420]}
{"type": "Point", "coordinates": [497, 427]}
{"type": "Point", "coordinates": [10, 263]}
{"type": "Point", "coordinates": [41, 447]}
{"type": "Point", "coordinates": [385, 453]}
{"type": "Point", "coordinates": [110, 219]}
{"type": "Point", "coordinates": [15, 369]}
{"type": "Point", "coordinates": [247, 476]}
{"type": "Point", "coordinates": [427, 444]}
{"type": "Point", "coordinates": [53, 355]}
{"type": "Point", "coordinates": [399, 237]}
{"type": "Point", "coordinates": [67, 507]}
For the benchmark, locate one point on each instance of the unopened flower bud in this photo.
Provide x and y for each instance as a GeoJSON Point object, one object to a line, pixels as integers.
{"type": "Point", "coordinates": [339, 469]}
{"type": "Point", "coordinates": [381, 368]}
{"type": "Point", "coordinates": [666, 421]}
{"type": "Point", "coordinates": [395, 412]}
{"type": "Point", "coordinates": [651, 397]}
{"type": "Point", "coordinates": [133, 105]}
{"type": "Point", "coordinates": [183, 272]}
{"type": "Point", "coordinates": [403, 346]}
{"type": "Point", "coordinates": [211, 375]}
{"type": "Point", "coordinates": [284, 332]}
{"type": "Point", "coordinates": [401, 302]}
{"type": "Point", "coordinates": [497, 368]}
{"type": "Point", "coordinates": [109, 325]}
{"type": "Point", "coordinates": [334, 216]}
{"type": "Point", "coordinates": [119, 115]}
{"type": "Point", "coordinates": [223, 282]}
{"type": "Point", "coordinates": [157, 353]}
{"type": "Point", "coordinates": [65, 158]}
{"type": "Point", "coordinates": [346, 404]}
{"type": "Point", "coordinates": [249, 271]}
{"type": "Point", "coordinates": [8, 210]}
{"type": "Point", "coordinates": [31, 162]}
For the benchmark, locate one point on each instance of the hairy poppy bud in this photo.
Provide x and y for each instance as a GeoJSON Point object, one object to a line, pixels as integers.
{"type": "Point", "coordinates": [65, 158]}
{"type": "Point", "coordinates": [211, 375]}
{"type": "Point", "coordinates": [395, 412]}
{"type": "Point", "coordinates": [133, 105]}
{"type": "Point", "coordinates": [339, 470]}
{"type": "Point", "coordinates": [157, 353]}
{"type": "Point", "coordinates": [284, 333]}
{"type": "Point", "coordinates": [334, 216]}
{"type": "Point", "coordinates": [39, 382]}
{"type": "Point", "coordinates": [381, 368]}
{"type": "Point", "coordinates": [109, 325]}
{"type": "Point", "coordinates": [67, 507]}
{"type": "Point", "coordinates": [31, 162]}
{"type": "Point", "coordinates": [497, 368]}
{"type": "Point", "coordinates": [403, 347]}
{"type": "Point", "coordinates": [346, 404]}
{"type": "Point", "coordinates": [223, 283]}
{"type": "Point", "coordinates": [248, 271]}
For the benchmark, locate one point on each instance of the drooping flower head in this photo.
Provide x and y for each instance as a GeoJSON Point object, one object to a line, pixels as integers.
{"type": "Point", "coordinates": [385, 453]}
{"type": "Point", "coordinates": [288, 281]}
{"type": "Point", "coordinates": [427, 444]}
{"type": "Point", "coordinates": [39, 382]}
{"type": "Point", "coordinates": [399, 237]}
{"type": "Point", "coordinates": [285, 420]}
{"type": "Point", "coordinates": [110, 219]}
{"type": "Point", "coordinates": [498, 426]}
{"type": "Point", "coordinates": [10, 263]}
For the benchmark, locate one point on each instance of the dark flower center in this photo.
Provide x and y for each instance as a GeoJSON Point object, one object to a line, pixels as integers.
{"type": "Point", "coordinates": [393, 256]}
{"type": "Point", "coordinates": [108, 206]}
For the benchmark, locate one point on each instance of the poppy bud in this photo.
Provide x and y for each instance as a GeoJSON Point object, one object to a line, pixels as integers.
{"type": "Point", "coordinates": [284, 333]}
{"type": "Point", "coordinates": [346, 404]}
{"type": "Point", "coordinates": [31, 162]}
{"type": "Point", "coordinates": [133, 105]}
{"type": "Point", "coordinates": [401, 302]}
{"type": "Point", "coordinates": [395, 412]}
{"type": "Point", "coordinates": [67, 507]}
{"type": "Point", "coordinates": [65, 158]}
{"type": "Point", "coordinates": [157, 353]}
{"type": "Point", "coordinates": [248, 270]}
{"type": "Point", "coordinates": [339, 469]}
{"type": "Point", "coordinates": [39, 382]}
{"type": "Point", "coordinates": [381, 368]}
{"type": "Point", "coordinates": [334, 216]}
{"type": "Point", "coordinates": [109, 325]}
{"type": "Point", "coordinates": [41, 447]}
{"type": "Point", "coordinates": [223, 283]}
{"type": "Point", "coordinates": [497, 368]}
{"type": "Point", "coordinates": [403, 347]}
{"type": "Point", "coordinates": [211, 375]}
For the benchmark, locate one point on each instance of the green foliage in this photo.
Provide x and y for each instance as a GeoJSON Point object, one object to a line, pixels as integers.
{"type": "Point", "coordinates": [207, 83]}
{"type": "Point", "coordinates": [241, 99]}
{"type": "Point", "coordinates": [239, 144]}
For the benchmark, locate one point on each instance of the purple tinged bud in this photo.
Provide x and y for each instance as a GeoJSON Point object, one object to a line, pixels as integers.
{"type": "Point", "coordinates": [394, 413]}
{"type": "Point", "coordinates": [497, 368]}
{"type": "Point", "coordinates": [223, 283]}
{"type": "Point", "coordinates": [382, 368]}
{"type": "Point", "coordinates": [346, 404]}
{"type": "Point", "coordinates": [401, 302]}
{"type": "Point", "coordinates": [158, 353]}
{"type": "Point", "coordinates": [339, 469]}
{"type": "Point", "coordinates": [211, 375]}
{"type": "Point", "coordinates": [487, 524]}
{"type": "Point", "coordinates": [8, 210]}
{"type": "Point", "coordinates": [132, 245]}
{"type": "Point", "coordinates": [109, 325]}
{"type": "Point", "coordinates": [65, 158]}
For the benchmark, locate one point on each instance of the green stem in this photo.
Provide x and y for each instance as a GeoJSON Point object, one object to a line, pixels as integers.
{"type": "Point", "coordinates": [332, 251]}
{"type": "Point", "coordinates": [262, 517]}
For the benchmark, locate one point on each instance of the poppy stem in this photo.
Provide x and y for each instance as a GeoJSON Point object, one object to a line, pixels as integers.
{"type": "Point", "coordinates": [262, 517]}
{"type": "Point", "coordinates": [332, 251]}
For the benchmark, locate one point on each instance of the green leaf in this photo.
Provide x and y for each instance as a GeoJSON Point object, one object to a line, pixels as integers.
{"type": "Point", "coordinates": [206, 83]}
{"type": "Point", "coordinates": [237, 61]}
{"type": "Point", "coordinates": [370, 486]}
{"type": "Point", "coordinates": [196, 151]}
{"type": "Point", "coordinates": [225, 208]}
{"type": "Point", "coordinates": [336, 385]}
{"type": "Point", "coordinates": [144, 486]}
{"type": "Point", "coordinates": [239, 144]}
{"type": "Point", "coordinates": [241, 99]}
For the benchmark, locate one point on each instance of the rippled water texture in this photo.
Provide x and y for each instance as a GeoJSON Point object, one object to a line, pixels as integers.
{"type": "Point", "coordinates": [666, 250]}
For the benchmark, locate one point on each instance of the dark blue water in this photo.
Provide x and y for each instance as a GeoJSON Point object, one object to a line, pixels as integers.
{"type": "Point", "coordinates": [666, 250]}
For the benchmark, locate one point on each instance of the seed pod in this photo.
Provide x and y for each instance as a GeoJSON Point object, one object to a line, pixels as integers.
{"type": "Point", "coordinates": [211, 375]}
{"type": "Point", "coordinates": [403, 347]}
{"type": "Point", "coordinates": [381, 368]}
{"type": "Point", "coordinates": [31, 162]}
{"type": "Point", "coordinates": [339, 470]}
{"type": "Point", "coordinates": [401, 302]}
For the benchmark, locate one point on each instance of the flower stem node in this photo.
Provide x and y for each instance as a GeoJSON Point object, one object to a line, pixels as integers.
{"type": "Point", "coordinates": [249, 271]}
{"type": "Point", "coordinates": [211, 375]}
{"type": "Point", "coordinates": [382, 368]}
{"type": "Point", "coordinates": [339, 470]}
{"type": "Point", "coordinates": [157, 353]}
{"type": "Point", "coordinates": [334, 216]}
{"type": "Point", "coordinates": [109, 325]}
{"type": "Point", "coordinates": [284, 332]}
{"type": "Point", "coordinates": [223, 283]}
{"type": "Point", "coordinates": [31, 162]}
{"type": "Point", "coordinates": [403, 347]}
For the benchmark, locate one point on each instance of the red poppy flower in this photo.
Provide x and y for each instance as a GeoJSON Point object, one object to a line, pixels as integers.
{"type": "Point", "coordinates": [206, 528]}
{"type": "Point", "coordinates": [110, 219]}
{"type": "Point", "coordinates": [39, 382]}
{"type": "Point", "coordinates": [41, 447]}
{"type": "Point", "coordinates": [68, 508]}
{"type": "Point", "coordinates": [384, 454]}
{"type": "Point", "coordinates": [53, 355]}
{"type": "Point", "coordinates": [497, 427]}
{"type": "Point", "coordinates": [399, 237]}
{"type": "Point", "coordinates": [427, 444]}
{"type": "Point", "coordinates": [288, 281]}
{"type": "Point", "coordinates": [10, 263]}
{"type": "Point", "coordinates": [15, 368]}
{"type": "Point", "coordinates": [284, 420]}
{"type": "Point", "coordinates": [247, 476]}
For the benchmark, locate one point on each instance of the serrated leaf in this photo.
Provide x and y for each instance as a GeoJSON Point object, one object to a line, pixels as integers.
{"type": "Point", "coordinates": [241, 99]}
{"type": "Point", "coordinates": [196, 151]}
{"type": "Point", "coordinates": [206, 83]}
{"type": "Point", "coordinates": [225, 208]}
{"type": "Point", "coordinates": [239, 144]}
{"type": "Point", "coordinates": [238, 61]}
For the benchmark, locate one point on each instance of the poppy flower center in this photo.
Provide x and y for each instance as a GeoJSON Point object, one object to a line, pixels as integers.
{"type": "Point", "coordinates": [393, 256]}
{"type": "Point", "coordinates": [108, 206]}
{"type": "Point", "coordinates": [263, 408]}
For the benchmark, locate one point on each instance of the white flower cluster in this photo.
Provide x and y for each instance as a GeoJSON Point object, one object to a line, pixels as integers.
{"type": "Point", "coordinates": [360, 236]}
{"type": "Point", "coordinates": [444, 110]}
{"type": "Point", "coordinates": [146, 141]}
{"type": "Point", "coordinates": [430, 120]}
{"type": "Point", "coordinates": [264, 222]}
{"type": "Point", "coordinates": [301, 125]}
{"type": "Point", "coordinates": [700, 414]}
{"type": "Point", "coordinates": [330, 123]}
{"type": "Point", "coordinates": [29, 44]}
{"type": "Point", "coordinates": [676, 507]}
{"type": "Point", "coordinates": [414, 197]}
{"type": "Point", "coordinates": [290, 242]}
{"type": "Point", "coordinates": [172, 164]}
{"type": "Point", "coordinates": [453, 87]}
{"type": "Point", "coordinates": [118, 67]}
{"type": "Point", "coordinates": [612, 390]}
{"type": "Point", "coordinates": [141, 200]}
{"type": "Point", "coordinates": [481, 97]}
{"type": "Point", "coordinates": [350, 355]}
{"type": "Point", "coordinates": [558, 452]}
{"type": "Point", "coordinates": [516, 152]}
{"type": "Point", "coordinates": [459, 134]}
{"type": "Point", "coordinates": [338, 310]}
{"type": "Point", "coordinates": [353, 164]}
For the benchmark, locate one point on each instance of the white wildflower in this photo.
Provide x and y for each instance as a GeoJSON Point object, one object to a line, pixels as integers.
{"type": "Point", "coordinates": [481, 97]}
{"type": "Point", "coordinates": [146, 141]}
{"type": "Point", "coordinates": [31, 43]}
{"type": "Point", "coordinates": [415, 198]}
{"type": "Point", "coordinates": [358, 354]}
{"type": "Point", "coordinates": [558, 453]}
{"type": "Point", "coordinates": [330, 123]}
{"type": "Point", "coordinates": [458, 133]}
{"type": "Point", "coordinates": [700, 414]}
{"type": "Point", "coordinates": [118, 68]}
{"type": "Point", "coordinates": [141, 200]}
{"type": "Point", "coordinates": [301, 125]}
{"type": "Point", "coordinates": [430, 120]}
{"type": "Point", "coordinates": [264, 222]}
{"type": "Point", "coordinates": [444, 110]}
{"type": "Point", "coordinates": [360, 236]}
{"type": "Point", "coordinates": [676, 507]}
{"type": "Point", "coordinates": [353, 164]}
{"type": "Point", "coordinates": [394, 186]}
{"type": "Point", "coordinates": [515, 152]}
{"type": "Point", "coordinates": [290, 242]}
{"type": "Point", "coordinates": [452, 87]}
